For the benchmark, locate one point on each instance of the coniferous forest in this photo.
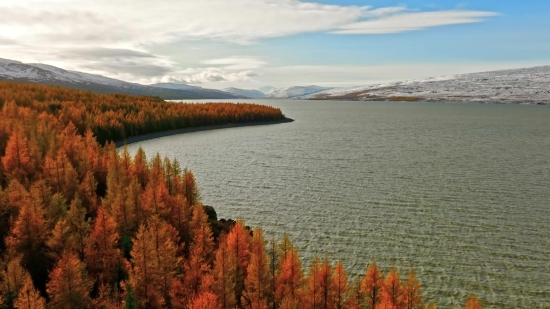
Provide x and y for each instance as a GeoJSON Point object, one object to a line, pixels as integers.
{"type": "Point", "coordinates": [83, 225]}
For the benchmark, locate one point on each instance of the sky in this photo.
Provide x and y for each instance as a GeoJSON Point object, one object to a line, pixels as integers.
{"type": "Point", "coordinates": [255, 43]}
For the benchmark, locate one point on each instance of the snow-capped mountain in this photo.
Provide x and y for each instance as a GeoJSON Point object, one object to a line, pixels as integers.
{"type": "Point", "coordinates": [253, 94]}
{"type": "Point", "coordinates": [11, 70]}
{"type": "Point", "coordinates": [294, 92]}
{"type": "Point", "coordinates": [527, 86]}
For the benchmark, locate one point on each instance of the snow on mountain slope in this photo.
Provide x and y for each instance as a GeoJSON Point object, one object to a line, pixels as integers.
{"type": "Point", "coordinates": [38, 73]}
{"type": "Point", "coordinates": [527, 86]}
{"type": "Point", "coordinates": [294, 92]}
{"type": "Point", "coordinates": [253, 94]}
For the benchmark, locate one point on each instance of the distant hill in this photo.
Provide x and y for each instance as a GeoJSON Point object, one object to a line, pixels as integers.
{"type": "Point", "coordinates": [253, 94]}
{"type": "Point", "coordinates": [266, 89]}
{"type": "Point", "coordinates": [11, 70]}
{"type": "Point", "coordinates": [294, 92]}
{"type": "Point", "coordinates": [527, 86]}
{"type": "Point", "coordinates": [210, 93]}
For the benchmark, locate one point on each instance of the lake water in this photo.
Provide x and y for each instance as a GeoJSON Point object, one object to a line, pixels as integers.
{"type": "Point", "coordinates": [459, 191]}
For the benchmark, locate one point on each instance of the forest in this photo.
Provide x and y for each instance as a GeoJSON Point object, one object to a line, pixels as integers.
{"type": "Point", "coordinates": [84, 225]}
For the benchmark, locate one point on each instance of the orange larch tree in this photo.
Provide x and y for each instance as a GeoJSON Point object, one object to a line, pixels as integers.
{"type": "Point", "coordinates": [28, 237]}
{"type": "Point", "coordinates": [371, 286]}
{"type": "Point", "coordinates": [154, 262]}
{"type": "Point", "coordinates": [238, 245]}
{"type": "Point", "coordinates": [29, 297]}
{"type": "Point", "coordinates": [412, 298]}
{"type": "Point", "coordinates": [327, 289]}
{"type": "Point", "coordinates": [102, 251]}
{"type": "Point", "coordinates": [78, 227]}
{"type": "Point", "coordinates": [257, 282]}
{"type": "Point", "coordinates": [16, 162]}
{"type": "Point", "coordinates": [290, 279]}
{"type": "Point", "coordinates": [12, 278]}
{"type": "Point", "coordinates": [473, 303]}
{"type": "Point", "coordinates": [355, 298]}
{"type": "Point", "coordinates": [224, 275]}
{"type": "Point", "coordinates": [340, 285]}
{"type": "Point", "coordinates": [392, 291]}
{"type": "Point", "coordinates": [312, 297]}
{"type": "Point", "coordinates": [199, 262]}
{"type": "Point", "coordinates": [69, 286]}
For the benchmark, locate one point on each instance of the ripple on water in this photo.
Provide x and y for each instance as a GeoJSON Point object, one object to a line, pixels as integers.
{"type": "Point", "coordinates": [460, 191]}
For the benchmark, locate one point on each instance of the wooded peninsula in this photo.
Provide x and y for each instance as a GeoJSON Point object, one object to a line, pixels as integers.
{"type": "Point", "coordinates": [84, 225]}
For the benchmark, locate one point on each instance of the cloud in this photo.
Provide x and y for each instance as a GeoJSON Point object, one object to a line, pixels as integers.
{"type": "Point", "coordinates": [117, 38]}
{"type": "Point", "coordinates": [141, 22]}
{"type": "Point", "coordinates": [207, 75]}
{"type": "Point", "coordinates": [400, 22]}
{"type": "Point", "coordinates": [100, 52]}
{"type": "Point", "coordinates": [236, 63]}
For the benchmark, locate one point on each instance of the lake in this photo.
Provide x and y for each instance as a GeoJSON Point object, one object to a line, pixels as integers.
{"type": "Point", "coordinates": [459, 191]}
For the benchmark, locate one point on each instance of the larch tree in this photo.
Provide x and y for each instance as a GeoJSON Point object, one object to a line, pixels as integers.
{"type": "Point", "coordinates": [340, 285]}
{"type": "Point", "coordinates": [312, 297]}
{"type": "Point", "coordinates": [139, 169]}
{"type": "Point", "coordinates": [392, 291]}
{"type": "Point", "coordinates": [141, 272]}
{"type": "Point", "coordinates": [13, 279]}
{"type": "Point", "coordinates": [355, 298]}
{"type": "Point", "coordinates": [181, 215]}
{"type": "Point", "coordinates": [290, 279]}
{"type": "Point", "coordinates": [473, 303]}
{"type": "Point", "coordinates": [17, 162]}
{"type": "Point", "coordinates": [238, 244]}
{"type": "Point", "coordinates": [78, 227]}
{"type": "Point", "coordinates": [102, 251]}
{"type": "Point", "coordinates": [371, 286]}
{"type": "Point", "coordinates": [257, 281]}
{"type": "Point", "coordinates": [412, 297]}
{"type": "Point", "coordinates": [224, 275]}
{"type": "Point", "coordinates": [28, 237]}
{"type": "Point", "coordinates": [191, 191]}
{"type": "Point", "coordinates": [28, 297]}
{"type": "Point", "coordinates": [325, 278]}
{"type": "Point", "coordinates": [154, 262]}
{"type": "Point", "coordinates": [205, 298]}
{"type": "Point", "coordinates": [198, 264]}
{"type": "Point", "coordinates": [69, 286]}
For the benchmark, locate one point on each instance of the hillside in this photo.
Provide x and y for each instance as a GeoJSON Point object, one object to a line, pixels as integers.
{"type": "Point", "coordinates": [249, 93]}
{"type": "Point", "coordinates": [524, 86]}
{"type": "Point", "coordinates": [295, 92]}
{"type": "Point", "coordinates": [43, 74]}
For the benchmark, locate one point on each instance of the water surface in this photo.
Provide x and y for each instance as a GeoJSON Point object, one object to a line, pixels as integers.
{"type": "Point", "coordinates": [460, 191]}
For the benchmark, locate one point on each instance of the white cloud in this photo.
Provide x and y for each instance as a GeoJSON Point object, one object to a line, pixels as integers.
{"type": "Point", "coordinates": [236, 63]}
{"type": "Point", "coordinates": [206, 75]}
{"type": "Point", "coordinates": [400, 22]}
{"type": "Point", "coordinates": [115, 38]}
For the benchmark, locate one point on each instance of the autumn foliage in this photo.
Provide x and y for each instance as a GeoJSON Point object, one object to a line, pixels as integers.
{"type": "Point", "coordinates": [84, 225]}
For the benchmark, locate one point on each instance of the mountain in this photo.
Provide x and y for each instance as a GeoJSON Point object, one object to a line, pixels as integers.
{"type": "Point", "coordinates": [11, 70]}
{"type": "Point", "coordinates": [266, 89]}
{"type": "Point", "coordinates": [526, 86]}
{"type": "Point", "coordinates": [295, 92]}
{"type": "Point", "coordinates": [211, 93]}
{"type": "Point", "coordinates": [253, 94]}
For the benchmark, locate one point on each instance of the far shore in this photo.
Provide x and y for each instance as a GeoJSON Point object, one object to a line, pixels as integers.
{"type": "Point", "coordinates": [141, 138]}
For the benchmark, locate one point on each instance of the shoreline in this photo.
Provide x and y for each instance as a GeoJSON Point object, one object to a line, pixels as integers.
{"type": "Point", "coordinates": [144, 137]}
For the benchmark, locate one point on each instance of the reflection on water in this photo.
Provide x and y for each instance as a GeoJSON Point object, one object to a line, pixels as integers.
{"type": "Point", "coordinates": [460, 191]}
